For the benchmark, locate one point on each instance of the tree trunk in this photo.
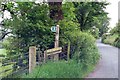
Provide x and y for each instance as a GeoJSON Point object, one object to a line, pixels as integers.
{"type": "Point", "coordinates": [56, 10]}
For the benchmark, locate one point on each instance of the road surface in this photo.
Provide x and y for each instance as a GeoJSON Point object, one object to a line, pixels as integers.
{"type": "Point", "coordinates": [108, 64]}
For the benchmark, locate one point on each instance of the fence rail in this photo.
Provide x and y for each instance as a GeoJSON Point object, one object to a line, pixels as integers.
{"type": "Point", "coordinates": [13, 65]}
{"type": "Point", "coordinates": [24, 63]}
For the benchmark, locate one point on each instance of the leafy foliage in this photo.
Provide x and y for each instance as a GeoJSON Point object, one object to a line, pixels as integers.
{"type": "Point", "coordinates": [114, 37]}
{"type": "Point", "coordinates": [117, 42]}
{"type": "Point", "coordinates": [84, 48]}
{"type": "Point", "coordinates": [69, 23]}
{"type": "Point", "coordinates": [91, 14]}
{"type": "Point", "coordinates": [30, 25]}
{"type": "Point", "coordinates": [110, 39]}
{"type": "Point", "coordinates": [117, 31]}
{"type": "Point", "coordinates": [95, 32]}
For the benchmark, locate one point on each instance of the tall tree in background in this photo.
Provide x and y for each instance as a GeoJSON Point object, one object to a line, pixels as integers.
{"type": "Point", "coordinates": [105, 23]}
{"type": "Point", "coordinates": [56, 10]}
{"type": "Point", "coordinates": [30, 25]}
{"type": "Point", "coordinates": [90, 14]}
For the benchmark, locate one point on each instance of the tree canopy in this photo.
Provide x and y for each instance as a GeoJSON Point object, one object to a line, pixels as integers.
{"type": "Point", "coordinates": [30, 22]}
{"type": "Point", "coordinates": [91, 14]}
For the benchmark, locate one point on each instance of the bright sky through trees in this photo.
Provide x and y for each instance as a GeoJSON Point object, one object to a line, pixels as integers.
{"type": "Point", "coordinates": [112, 9]}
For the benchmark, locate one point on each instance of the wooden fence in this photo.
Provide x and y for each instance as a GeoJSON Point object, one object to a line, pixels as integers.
{"type": "Point", "coordinates": [14, 65]}
{"type": "Point", "coordinates": [25, 63]}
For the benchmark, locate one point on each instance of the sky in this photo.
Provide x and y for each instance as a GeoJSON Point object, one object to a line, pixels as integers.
{"type": "Point", "coordinates": [112, 9]}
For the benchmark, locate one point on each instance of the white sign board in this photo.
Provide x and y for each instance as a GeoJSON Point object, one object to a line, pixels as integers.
{"type": "Point", "coordinates": [53, 28]}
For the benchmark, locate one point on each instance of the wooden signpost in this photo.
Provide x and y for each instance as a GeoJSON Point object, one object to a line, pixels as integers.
{"type": "Point", "coordinates": [56, 43]}
{"type": "Point", "coordinates": [52, 52]}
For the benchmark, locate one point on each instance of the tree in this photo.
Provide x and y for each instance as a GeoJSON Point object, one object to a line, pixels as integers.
{"type": "Point", "coordinates": [30, 25]}
{"type": "Point", "coordinates": [105, 23]}
{"type": "Point", "coordinates": [55, 10]}
{"type": "Point", "coordinates": [116, 30]}
{"type": "Point", "coordinates": [90, 14]}
{"type": "Point", "coordinates": [3, 30]}
{"type": "Point", "coordinates": [69, 23]}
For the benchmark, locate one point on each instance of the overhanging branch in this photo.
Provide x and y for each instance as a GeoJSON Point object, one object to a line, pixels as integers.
{"type": "Point", "coordinates": [3, 35]}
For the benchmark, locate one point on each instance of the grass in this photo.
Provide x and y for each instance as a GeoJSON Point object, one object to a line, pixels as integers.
{"type": "Point", "coordinates": [60, 69]}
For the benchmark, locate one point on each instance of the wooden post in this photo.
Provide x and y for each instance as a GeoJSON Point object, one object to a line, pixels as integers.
{"type": "Point", "coordinates": [32, 58]}
{"type": "Point", "coordinates": [39, 57]}
{"type": "Point", "coordinates": [56, 57]}
{"type": "Point", "coordinates": [57, 37]}
{"type": "Point", "coordinates": [45, 56]}
{"type": "Point", "coordinates": [68, 51]}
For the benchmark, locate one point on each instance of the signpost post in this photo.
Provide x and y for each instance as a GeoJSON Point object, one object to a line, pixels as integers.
{"type": "Point", "coordinates": [56, 43]}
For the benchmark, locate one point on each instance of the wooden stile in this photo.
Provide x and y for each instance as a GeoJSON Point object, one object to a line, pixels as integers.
{"type": "Point", "coordinates": [52, 52]}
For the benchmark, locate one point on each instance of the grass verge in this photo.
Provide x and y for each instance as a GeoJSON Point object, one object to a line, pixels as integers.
{"type": "Point", "coordinates": [60, 69]}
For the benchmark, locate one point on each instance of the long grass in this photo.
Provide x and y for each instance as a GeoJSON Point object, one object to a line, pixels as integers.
{"type": "Point", "coordinates": [60, 69]}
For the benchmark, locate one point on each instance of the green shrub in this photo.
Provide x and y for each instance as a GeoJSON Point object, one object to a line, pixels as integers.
{"type": "Point", "coordinates": [32, 29]}
{"type": "Point", "coordinates": [59, 69]}
{"type": "Point", "coordinates": [117, 42]}
{"type": "Point", "coordinates": [85, 50]}
{"type": "Point", "coordinates": [94, 32]}
{"type": "Point", "coordinates": [69, 23]}
{"type": "Point", "coordinates": [104, 36]}
{"type": "Point", "coordinates": [84, 57]}
{"type": "Point", "coordinates": [111, 39]}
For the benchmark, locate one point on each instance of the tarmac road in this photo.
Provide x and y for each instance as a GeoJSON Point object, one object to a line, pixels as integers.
{"type": "Point", "coordinates": [108, 65]}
